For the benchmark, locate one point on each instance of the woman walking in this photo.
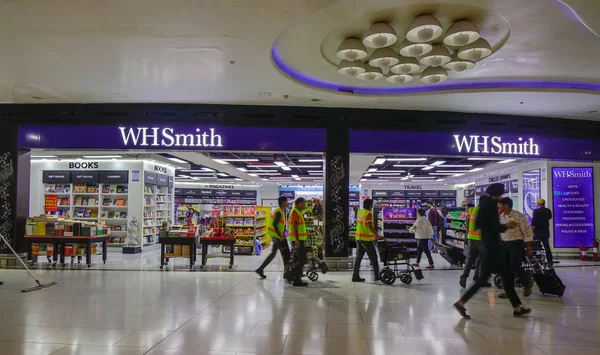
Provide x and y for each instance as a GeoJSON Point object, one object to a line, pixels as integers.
{"type": "Point", "coordinates": [423, 231]}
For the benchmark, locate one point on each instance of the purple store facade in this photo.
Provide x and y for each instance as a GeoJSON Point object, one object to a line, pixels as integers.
{"type": "Point", "coordinates": [566, 167]}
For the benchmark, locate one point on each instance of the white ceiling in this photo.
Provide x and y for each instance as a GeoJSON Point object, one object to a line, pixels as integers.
{"type": "Point", "coordinates": [179, 51]}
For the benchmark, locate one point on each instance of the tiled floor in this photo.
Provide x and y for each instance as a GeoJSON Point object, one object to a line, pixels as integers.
{"type": "Point", "coordinates": [185, 313]}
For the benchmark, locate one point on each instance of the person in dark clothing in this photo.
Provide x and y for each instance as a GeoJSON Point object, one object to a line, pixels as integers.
{"type": "Point", "coordinates": [493, 259]}
{"type": "Point", "coordinates": [434, 218]}
{"type": "Point", "coordinates": [541, 227]}
{"type": "Point", "coordinates": [277, 233]}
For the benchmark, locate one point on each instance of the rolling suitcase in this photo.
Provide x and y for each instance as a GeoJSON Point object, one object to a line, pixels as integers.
{"type": "Point", "coordinates": [547, 280]}
{"type": "Point", "coordinates": [451, 254]}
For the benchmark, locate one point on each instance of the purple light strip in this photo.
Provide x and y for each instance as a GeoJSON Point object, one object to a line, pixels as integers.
{"type": "Point", "coordinates": [447, 86]}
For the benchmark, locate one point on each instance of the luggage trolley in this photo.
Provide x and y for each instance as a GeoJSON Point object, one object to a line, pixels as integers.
{"type": "Point", "coordinates": [396, 255]}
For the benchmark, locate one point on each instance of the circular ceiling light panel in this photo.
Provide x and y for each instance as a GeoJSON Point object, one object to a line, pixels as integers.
{"type": "Point", "coordinates": [379, 35]}
{"type": "Point", "coordinates": [370, 74]}
{"type": "Point", "coordinates": [406, 65]}
{"type": "Point", "coordinates": [351, 49]}
{"type": "Point", "coordinates": [351, 68]}
{"type": "Point", "coordinates": [475, 51]}
{"type": "Point", "coordinates": [399, 78]}
{"type": "Point", "coordinates": [409, 49]}
{"type": "Point", "coordinates": [434, 75]}
{"type": "Point", "coordinates": [461, 33]}
{"type": "Point", "coordinates": [424, 28]}
{"type": "Point", "coordinates": [459, 64]}
{"type": "Point", "coordinates": [383, 58]}
{"type": "Point", "coordinates": [438, 56]}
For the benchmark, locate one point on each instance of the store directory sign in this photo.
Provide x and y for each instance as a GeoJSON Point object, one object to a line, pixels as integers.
{"type": "Point", "coordinates": [531, 191]}
{"type": "Point", "coordinates": [171, 137]}
{"type": "Point", "coordinates": [573, 197]}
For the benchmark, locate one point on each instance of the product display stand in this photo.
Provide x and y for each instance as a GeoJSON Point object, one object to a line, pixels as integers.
{"type": "Point", "coordinates": [59, 245]}
{"type": "Point", "coordinates": [224, 241]}
{"type": "Point", "coordinates": [455, 232]}
{"type": "Point", "coordinates": [173, 242]}
{"type": "Point", "coordinates": [396, 223]}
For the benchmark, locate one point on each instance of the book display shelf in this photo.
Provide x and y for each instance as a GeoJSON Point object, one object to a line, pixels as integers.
{"type": "Point", "coordinates": [129, 197]}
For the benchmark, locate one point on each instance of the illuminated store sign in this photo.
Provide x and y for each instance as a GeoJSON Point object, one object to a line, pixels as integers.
{"type": "Point", "coordinates": [495, 145]}
{"type": "Point", "coordinates": [168, 137]}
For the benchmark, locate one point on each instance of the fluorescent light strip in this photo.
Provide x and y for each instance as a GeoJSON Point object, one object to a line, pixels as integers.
{"type": "Point", "coordinates": [438, 180]}
{"type": "Point", "coordinates": [423, 177]}
{"type": "Point", "coordinates": [286, 168]}
{"type": "Point", "coordinates": [428, 167]}
{"type": "Point", "coordinates": [44, 156]}
{"type": "Point", "coordinates": [220, 161]}
{"type": "Point", "coordinates": [368, 175]}
{"type": "Point", "coordinates": [445, 174]}
{"type": "Point", "coordinates": [202, 174]}
{"type": "Point", "coordinates": [408, 166]}
{"type": "Point", "coordinates": [306, 166]}
{"type": "Point", "coordinates": [407, 159]}
{"type": "Point", "coordinates": [315, 171]}
{"type": "Point", "coordinates": [387, 174]}
{"type": "Point", "coordinates": [452, 171]}
{"type": "Point", "coordinates": [316, 174]}
{"type": "Point", "coordinates": [379, 161]}
{"type": "Point", "coordinates": [242, 169]}
{"type": "Point", "coordinates": [455, 166]}
{"type": "Point", "coordinates": [438, 163]}
{"type": "Point", "coordinates": [273, 174]}
{"type": "Point", "coordinates": [222, 174]}
{"type": "Point", "coordinates": [507, 161]}
{"type": "Point", "coordinates": [310, 160]}
{"type": "Point", "coordinates": [279, 163]}
{"type": "Point", "coordinates": [262, 166]}
{"type": "Point", "coordinates": [486, 158]}
{"type": "Point", "coordinates": [475, 169]}
{"type": "Point", "coordinates": [177, 160]}
{"type": "Point", "coordinates": [263, 171]}
{"type": "Point", "coordinates": [457, 175]}
{"type": "Point", "coordinates": [102, 156]}
{"type": "Point", "coordinates": [234, 160]}
{"type": "Point", "coordinates": [372, 170]}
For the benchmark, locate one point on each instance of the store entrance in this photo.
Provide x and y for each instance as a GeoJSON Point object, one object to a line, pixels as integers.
{"type": "Point", "coordinates": [137, 197]}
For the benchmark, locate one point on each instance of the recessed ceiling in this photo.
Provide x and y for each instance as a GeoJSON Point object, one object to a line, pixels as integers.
{"type": "Point", "coordinates": [183, 51]}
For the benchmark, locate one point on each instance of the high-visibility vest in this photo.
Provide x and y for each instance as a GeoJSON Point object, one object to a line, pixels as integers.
{"type": "Point", "coordinates": [363, 232]}
{"type": "Point", "coordinates": [474, 233]}
{"type": "Point", "coordinates": [275, 233]}
{"type": "Point", "coordinates": [301, 227]}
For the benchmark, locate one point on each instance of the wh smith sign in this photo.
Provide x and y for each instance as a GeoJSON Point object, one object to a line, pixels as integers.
{"type": "Point", "coordinates": [171, 137]}
{"type": "Point", "coordinates": [474, 145]}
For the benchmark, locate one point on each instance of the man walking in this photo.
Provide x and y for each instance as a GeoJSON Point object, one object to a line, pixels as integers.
{"type": "Point", "coordinates": [514, 242]}
{"type": "Point", "coordinates": [476, 248]}
{"type": "Point", "coordinates": [489, 223]}
{"type": "Point", "coordinates": [434, 217]}
{"type": "Point", "coordinates": [298, 239]}
{"type": "Point", "coordinates": [277, 233]}
{"type": "Point", "coordinates": [541, 228]}
{"type": "Point", "coordinates": [365, 240]}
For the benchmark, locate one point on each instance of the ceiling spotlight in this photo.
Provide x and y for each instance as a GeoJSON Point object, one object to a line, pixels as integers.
{"type": "Point", "coordinates": [220, 161]}
{"type": "Point", "coordinates": [424, 28]}
{"type": "Point", "coordinates": [379, 35]}
{"type": "Point", "coordinates": [409, 49]}
{"type": "Point", "coordinates": [434, 75]}
{"type": "Point", "coordinates": [439, 55]}
{"type": "Point", "coordinates": [428, 167]}
{"type": "Point", "coordinates": [383, 58]}
{"type": "Point", "coordinates": [351, 68]}
{"type": "Point", "coordinates": [475, 170]}
{"type": "Point", "coordinates": [439, 162]}
{"type": "Point", "coordinates": [399, 78]}
{"type": "Point", "coordinates": [370, 74]}
{"type": "Point", "coordinates": [379, 161]}
{"type": "Point", "coordinates": [476, 50]}
{"type": "Point", "coordinates": [461, 33]}
{"type": "Point", "coordinates": [507, 161]}
{"type": "Point", "coordinates": [458, 64]}
{"type": "Point", "coordinates": [351, 49]}
{"type": "Point", "coordinates": [406, 65]}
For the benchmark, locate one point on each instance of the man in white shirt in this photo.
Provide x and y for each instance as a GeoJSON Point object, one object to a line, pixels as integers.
{"type": "Point", "coordinates": [514, 242]}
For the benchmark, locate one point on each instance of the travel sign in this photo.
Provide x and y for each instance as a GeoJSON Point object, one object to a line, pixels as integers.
{"type": "Point", "coordinates": [162, 137]}
{"type": "Point", "coordinates": [475, 145]}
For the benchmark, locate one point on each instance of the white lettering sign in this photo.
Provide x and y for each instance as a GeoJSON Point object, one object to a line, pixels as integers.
{"type": "Point", "coordinates": [495, 145]}
{"type": "Point", "coordinates": [167, 137]}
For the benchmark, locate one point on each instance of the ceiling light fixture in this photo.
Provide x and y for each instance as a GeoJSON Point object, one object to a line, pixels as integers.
{"type": "Point", "coordinates": [177, 160]}
{"type": "Point", "coordinates": [280, 163]}
{"type": "Point", "coordinates": [306, 166]}
{"type": "Point", "coordinates": [507, 161]}
{"type": "Point", "coordinates": [253, 175]}
{"type": "Point", "coordinates": [407, 159]}
{"type": "Point", "coordinates": [415, 50]}
{"type": "Point", "coordinates": [267, 174]}
{"type": "Point", "coordinates": [425, 28]}
{"type": "Point", "coordinates": [442, 173]}
{"type": "Point", "coordinates": [406, 65]}
{"type": "Point", "coordinates": [383, 58]}
{"type": "Point", "coordinates": [438, 163]}
{"type": "Point", "coordinates": [422, 177]}
{"type": "Point", "coordinates": [238, 179]}
{"type": "Point", "coordinates": [461, 33]}
{"type": "Point", "coordinates": [351, 49]}
{"type": "Point", "coordinates": [263, 171]}
{"type": "Point", "coordinates": [458, 64]}
{"type": "Point", "coordinates": [363, 179]}
{"type": "Point", "coordinates": [379, 161]}
{"type": "Point", "coordinates": [457, 175]}
{"type": "Point", "coordinates": [220, 161]}
{"type": "Point", "coordinates": [44, 156]}
{"type": "Point", "coordinates": [222, 174]}
{"type": "Point", "coordinates": [379, 35]}
{"type": "Point", "coordinates": [352, 68]}
{"type": "Point", "coordinates": [399, 78]}
{"type": "Point", "coordinates": [455, 165]}
{"type": "Point", "coordinates": [438, 56]}
{"type": "Point", "coordinates": [262, 166]}
{"type": "Point", "coordinates": [102, 156]}
{"type": "Point", "coordinates": [310, 160]}
{"type": "Point", "coordinates": [438, 180]}
{"type": "Point", "coordinates": [243, 160]}
{"type": "Point", "coordinates": [475, 51]}
{"type": "Point", "coordinates": [428, 167]}
{"type": "Point", "coordinates": [475, 170]}
{"type": "Point", "coordinates": [372, 170]}
{"type": "Point", "coordinates": [371, 74]}
{"type": "Point", "coordinates": [368, 175]}
{"type": "Point", "coordinates": [242, 169]}
{"type": "Point", "coordinates": [452, 171]}
{"type": "Point", "coordinates": [408, 166]}
{"type": "Point", "coordinates": [434, 75]}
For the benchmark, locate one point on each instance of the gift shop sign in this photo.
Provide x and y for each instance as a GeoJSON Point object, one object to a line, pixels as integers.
{"type": "Point", "coordinates": [573, 202]}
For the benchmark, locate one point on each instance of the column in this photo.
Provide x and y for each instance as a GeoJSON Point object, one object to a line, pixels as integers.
{"type": "Point", "coordinates": [336, 187]}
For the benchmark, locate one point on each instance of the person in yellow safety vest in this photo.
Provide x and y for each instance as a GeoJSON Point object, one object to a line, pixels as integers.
{"type": "Point", "coordinates": [365, 237]}
{"type": "Point", "coordinates": [297, 236]}
{"type": "Point", "coordinates": [276, 230]}
{"type": "Point", "coordinates": [476, 247]}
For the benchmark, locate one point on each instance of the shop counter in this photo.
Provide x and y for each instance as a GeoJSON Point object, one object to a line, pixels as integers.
{"type": "Point", "coordinates": [177, 241]}
{"type": "Point", "coordinates": [206, 241]}
{"type": "Point", "coordinates": [59, 242]}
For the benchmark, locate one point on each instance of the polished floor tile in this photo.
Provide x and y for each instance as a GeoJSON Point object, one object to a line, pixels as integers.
{"type": "Point", "coordinates": [235, 313]}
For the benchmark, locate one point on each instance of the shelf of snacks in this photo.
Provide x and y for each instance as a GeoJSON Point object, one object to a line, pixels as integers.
{"type": "Point", "coordinates": [455, 227]}
{"type": "Point", "coordinates": [396, 223]}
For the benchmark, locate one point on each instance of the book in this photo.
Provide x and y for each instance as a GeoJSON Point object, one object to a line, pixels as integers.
{"type": "Point", "coordinates": [64, 201]}
{"type": "Point", "coordinates": [121, 202]}
{"type": "Point", "coordinates": [87, 213]}
{"type": "Point", "coordinates": [84, 201]}
{"type": "Point", "coordinates": [111, 215]}
{"type": "Point", "coordinates": [113, 189]}
{"type": "Point", "coordinates": [104, 214]}
{"type": "Point", "coordinates": [106, 202]}
{"type": "Point", "coordinates": [105, 189]}
{"type": "Point", "coordinates": [92, 202]}
{"type": "Point", "coordinates": [79, 188]}
{"type": "Point", "coordinates": [78, 201]}
{"type": "Point", "coordinates": [123, 215]}
{"type": "Point", "coordinates": [92, 189]}
{"type": "Point", "coordinates": [119, 189]}
{"type": "Point", "coordinates": [94, 213]}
